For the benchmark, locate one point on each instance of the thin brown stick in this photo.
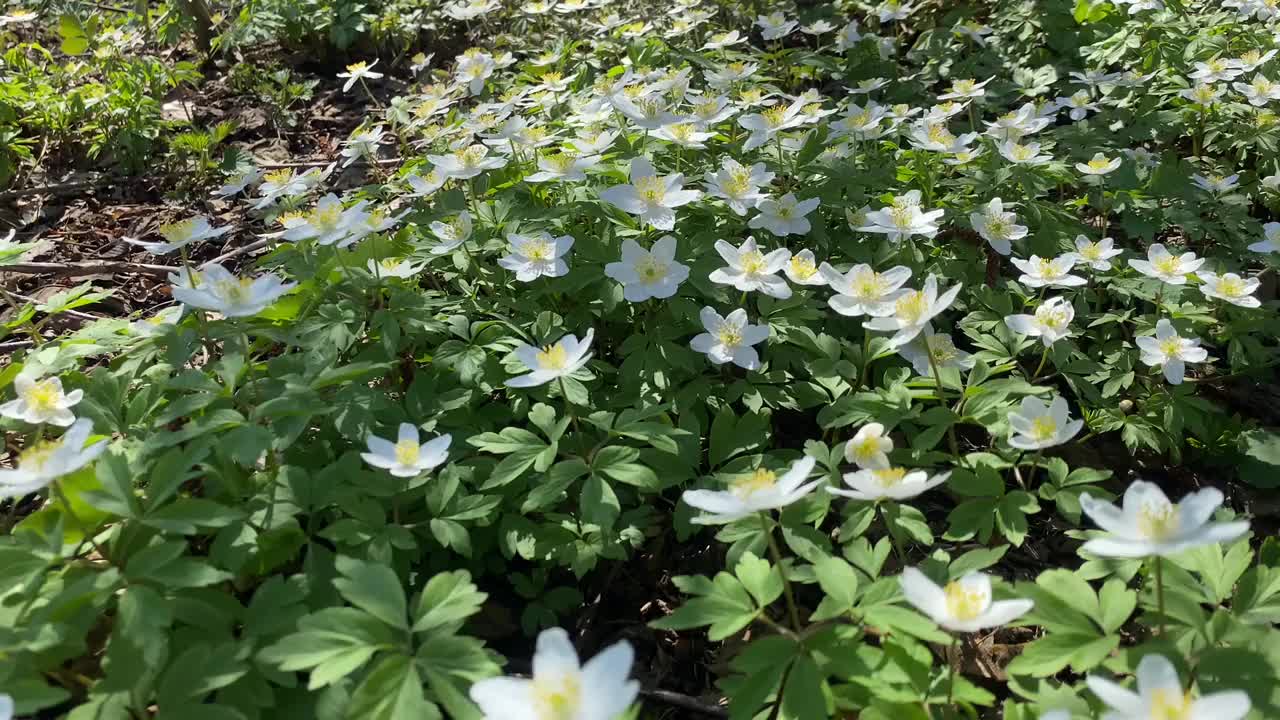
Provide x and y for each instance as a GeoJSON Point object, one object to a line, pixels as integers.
{"type": "Point", "coordinates": [76, 269]}
{"type": "Point", "coordinates": [56, 188]}
{"type": "Point", "coordinates": [72, 313]}
{"type": "Point", "coordinates": [323, 161]}
{"type": "Point", "coordinates": [257, 245]}
{"type": "Point", "coordinates": [685, 702]}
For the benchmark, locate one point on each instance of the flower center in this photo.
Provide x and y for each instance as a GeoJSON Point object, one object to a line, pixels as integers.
{"type": "Point", "coordinates": [941, 348]}
{"type": "Point", "coordinates": [1158, 521]}
{"type": "Point", "coordinates": [1043, 428]}
{"type": "Point", "coordinates": [44, 396]}
{"type": "Point", "coordinates": [553, 357]}
{"type": "Point", "coordinates": [1053, 318]}
{"type": "Point", "coordinates": [326, 217]}
{"type": "Point", "coordinates": [538, 250]}
{"type": "Point", "coordinates": [1231, 287]}
{"type": "Point", "coordinates": [963, 86]}
{"type": "Point", "coordinates": [888, 477]}
{"type": "Point", "coordinates": [1022, 152]}
{"type": "Point", "coordinates": [1099, 163]}
{"type": "Point", "coordinates": [407, 452]}
{"type": "Point", "coordinates": [357, 67]}
{"type": "Point", "coordinates": [869, 286]}
{"type": "Point", "coordinates": [179, 231]}
{"type": "Point", "coordinates": [1091, 252]}
{"type": "Point", "coordinates": [38, 454]}
{"type": "Point", "coordinates": [557, 698]}
{"type": "Point", "coordinates": [803, 268]}
{"type": "Point", "coordinates": [910, 308]}
{"type": "Point", "coordinates": [651, 269]}
{"type": "Point", "coordinates": [1046, 269]}
{"type": "Point", "coordinates": [774, 116]}
{"type": "Point", "coordinates": [235, 291]}
{"type": "Point", "coordinates": [1171, 265]}
{"type": "Point", "coordinates": [964, 603]}
{"type": "Point", "coordinates": [939, 134]}
{"type": "Point", "coordinates": [752, 263]}
{"type": "Point", "coordinates": [651, 189]}
{"type": "Point", "coordinates": [730, 336]}
{"type": "Point", "coordinates": [1171, 346]}
{"type": "Point", "coordinates": [998, 226]}
{"type": "Point", "coordinates": [1169, 704]}
{"type": "Point", "coordinates": [757, 481]}
{"type": "Point", "coordinates": [903, 217]}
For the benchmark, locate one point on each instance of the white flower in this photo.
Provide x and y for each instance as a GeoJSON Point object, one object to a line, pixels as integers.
{"type": "Point", "coordinates": [894, 10]}
{"type": "Point", "coordinates": [394, 268]}
{"type": "Point", "coordinates": [710, 110]}
{"type": "Point", "coordinates": [535, 256]}
{"type": "Point", "coordinates": [1096, 255]}
{"type": "Point", "coordinates": [848, 36]}
{"type": "Point", "coordinates": [216, 289]}
{"type": "Point", "coordinates": [751, 493]}
{"type": "Point", "coordinates": [357, 72]}
{"type": "Point", "coordinates": [590, 143]}
{"type": "Point", "coordinates": [974, 30]}
{"type": "Point", "coordinates": [451, 233]}
{"type": "Point", "coordinates": [421, 186]}
{"type": "Point", "coordinates": [720, 41]}
{"type": "Point", "coordinates": [903, 219]}
{"type": "Point", "coordinates": [1215, 70]}
{"type": "Point", "coordinates": [466, 163]}
{"type": "Point", "coordinates": [768, 123]}
{"type": "Point", "coordinates": [1259, 91]}
{"type": "Point", "coordinates": [6, 702]}
{"type": "Point", "coordinates": [1020, 154]}
{"type": "Point", "coordinates": [1037, 426]}
{"type": "Point", "coordinates": [647, 112]}
{"type": "Point", "coordinates": [1215, 184]}
{"type": "Point", "coordinates": [912, 311]}
{"type": "Point", "coordinates": [362, 144]}
{"type": "Point", "coordinates": [729, 338]}
{"type": "Point", "coordinates": [751, 270]}
{"type": "Point", "coordinates": [236, 183]}
{"type": "Point", "coordinates": [1230, 287]}
{"type": "Point", "coordinates": [328, 223]}
{"type": "Point", "coordinates": [551, 362]}
{"type": "Point", "coordinates": [802, 269]}
{"type": "Point", "coordinates": [473, 68]}
{"type": "Point", "coordinates": [1043, 272]}
{"type": "Point", "coordinates": [817, 27]}
{"type": "Point", "coordinates": [966, 89]}
{"type": "Point", "coordinates": [406, 457]}
{"type": "Point", "coordinates": [775, 25]}
{"type": "Point", "coordinates": [862, 123]}
{"type": "Point", "coordinates": [650, 196]}
{"type": "Point", "coordinates": [784, 216]}
{"type": "Point", "coordinates": [1170, 351]}
{"type": "Point", "coordinates": [941, 347]}
{"type": "Point", "coordinates": [41, 401]}
{"type": "Point", "coordinates": [1056, 715]}
{"type": "Point", "coordinates": [1270, 241]}
{"type": "Point", "coordinates": [1148, 524]}
{"type": "Point", "coordinates": [1251, 60]}
{"type": "Point", "coordinates": [863, 291]}
{"type": "Point", "coordinates": [1051, 323]}
{"type": "Point", "coordinates": [47, 460]}
{"type": "Point", "coordinates": [1166, 267]}
{"type": "Point", "coordinates": [560, 687]}
{"type": "Point", "coordinates": [1017, 124]}
{"type": "Point", "coordinates": [181, 234]}
{"type": "Point", "coordinates": [870, 447]}
{"type": "Point", "coordinates": [1204, 94]}
{"type": "Point", "coordinates": [563, 167]}
{"type": "Point", "coordinates": [738, 185]}
{"type": "Point", "coordinates": [998, 227]}
{"type": "Point", "coordinates": [652, 273]}
{"type": "Point", "coordinates": [685, 134]}
{"type": "Point", "coordinates": [964, 605]}
{"type": "Point", "coordinates": [158, 323]}
{"type": "Point", "coordinates": [1099, 165]}
{"type": "Point", "coordinates": [933, 135]}
{"type": "Point", "coordinates": [1160, 696]}
{"type": "Point", "coordinates": [1080, 103]}
{"type": "Point", "coordinates": [888, 483]}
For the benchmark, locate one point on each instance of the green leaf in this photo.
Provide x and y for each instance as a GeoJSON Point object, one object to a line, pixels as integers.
{"type": "Point", "coordinates": [392, 691]}
{"type": "Point", "coordinates": [759, 578]}
{"type": "Point", "coordinates": [373, 588]}
{"type": "Point", "coordinates": [449, 597]}
{"type": "Point", "coordinates": [598, 503]}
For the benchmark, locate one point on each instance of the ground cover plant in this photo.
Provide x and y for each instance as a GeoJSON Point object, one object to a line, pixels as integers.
{"type": "Point", "coordinates": [590, 360]}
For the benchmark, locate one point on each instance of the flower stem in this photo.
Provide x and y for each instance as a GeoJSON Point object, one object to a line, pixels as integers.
{"type": "Point", "coordinates": [1159, 572]}
{"type": "Point", "coordinates": [937, 376]}
{"type": "Point", "coordinates": [1035, 462]}
{"type": "Point", "coordinates": [951, 663]}
{"type": "Point", "coordinates": [777, 560]}
{"type": "Point", "coordinates": [1044, 356]}
{"type": "Point", "coordinates": [865, 373]}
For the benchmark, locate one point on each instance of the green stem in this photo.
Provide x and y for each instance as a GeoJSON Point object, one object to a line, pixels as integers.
{"type": "Point", "coordinates": [951, 663]}
{"type": "Point", "coordinates": [937, 376]}
{"type": "Point", "coordinates": [75, 519]}
{"type": "Point", "coordinates": [865, 373]}
{"type": "Point", "coordinates": [1159, 571]}
{"type": "Point", "coordinates": [1043, 357]}
{"type": "Point", "coordinates": [1035, 462]}
{"type": "Point", "coordinates": [776, 554]}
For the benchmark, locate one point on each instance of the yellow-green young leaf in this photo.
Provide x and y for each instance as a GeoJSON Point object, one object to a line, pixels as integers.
{"type": "Point", "coordinates": [449, 597]}
{"type": "Point", "coordinates": [392, 691]}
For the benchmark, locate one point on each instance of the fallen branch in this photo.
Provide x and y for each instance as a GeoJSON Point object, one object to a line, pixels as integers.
{"type": "Point", "coordinates": [685, 702]}
{"type": "Point", "coordinates": [257, 245]}
{"type": "Point", "coordinates": [87, 268]}
{"type": "Point", "coordinates": [324, 161]}
{"type": "Point", "coordinates": [16, 345]}
{"type": "Point", "coordinates": [57, 188]}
